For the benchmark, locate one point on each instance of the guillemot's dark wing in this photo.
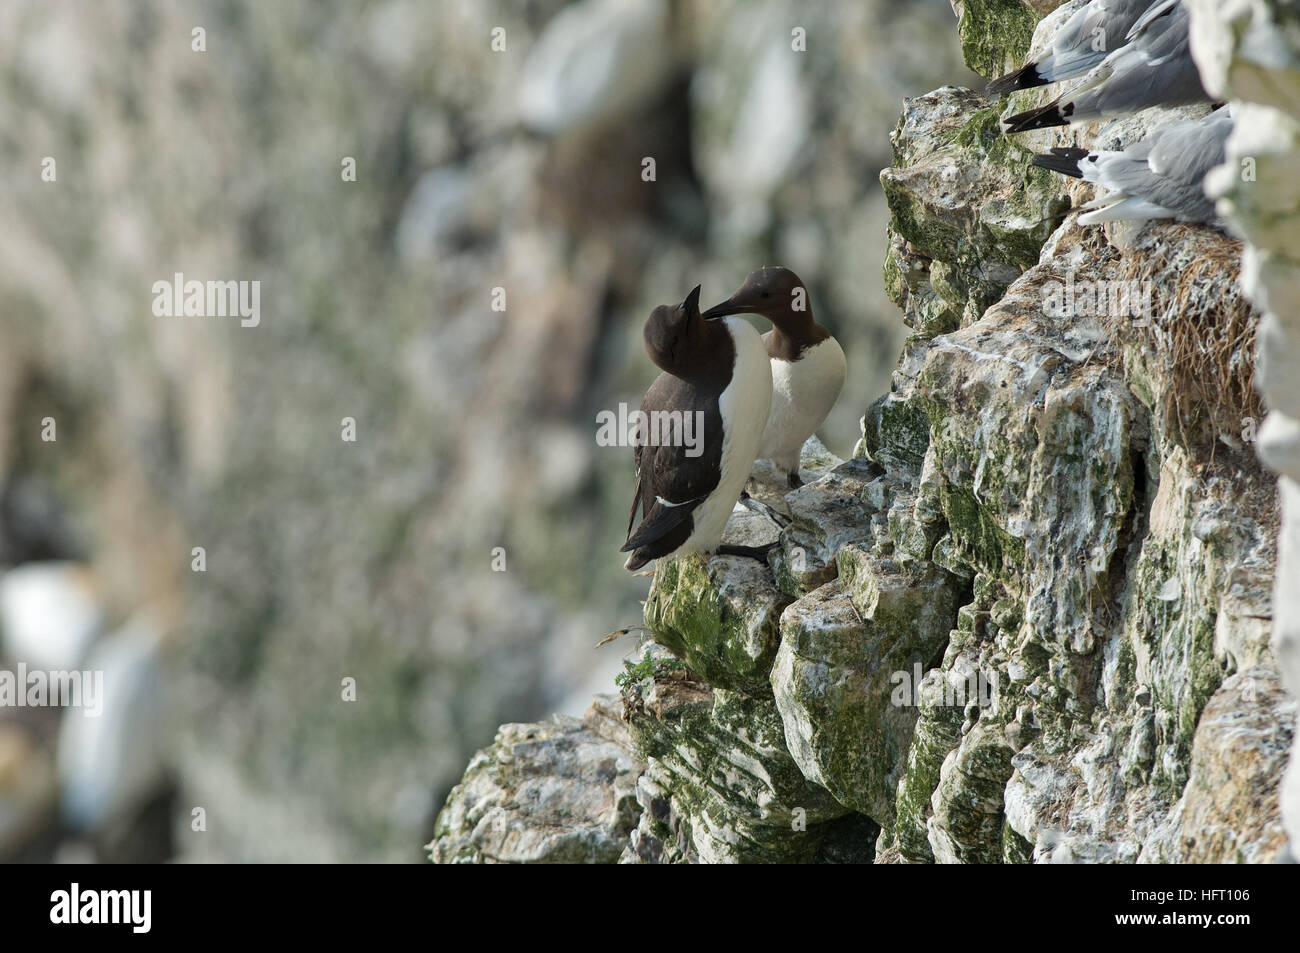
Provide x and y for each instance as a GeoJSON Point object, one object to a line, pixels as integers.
{"type": "Point", "coordinates": [636, 494]}
{"type": "Point", "coordinates": [671, 482]}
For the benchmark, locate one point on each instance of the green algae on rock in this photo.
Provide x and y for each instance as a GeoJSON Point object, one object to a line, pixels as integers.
{"type": "Point", "coordinates": [994, 34]}
{"type": "Point", "coordinates": [555, 792]}
{"type": "Point", "coordinates": [836, 674]}
{"type": "Point", "coordinates": [733, 790]}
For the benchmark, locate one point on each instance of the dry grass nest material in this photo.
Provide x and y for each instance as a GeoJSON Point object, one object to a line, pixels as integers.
{"type": "Point", "coordinates": [1202, 330]}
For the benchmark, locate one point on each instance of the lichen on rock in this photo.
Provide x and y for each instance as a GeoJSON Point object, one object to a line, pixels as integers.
{"type": "Point", "coordinates": [719, 763]}
{"type": "Point", "coordinates": [555, 792]}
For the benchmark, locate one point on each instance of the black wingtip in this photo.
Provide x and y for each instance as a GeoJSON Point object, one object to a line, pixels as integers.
{"type": "Point", "coordinates": [1024, 78]}
{"type": "Point", "coordinates": [1063, 160]}
{"type": "Point", "coordinates": [1053, 114]}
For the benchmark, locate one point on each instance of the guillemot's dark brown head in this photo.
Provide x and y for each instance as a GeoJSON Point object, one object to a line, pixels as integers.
{"type": "Point", "coordinates": [684, 342]}
{"type": "Point", "coordinates": [778, 295]}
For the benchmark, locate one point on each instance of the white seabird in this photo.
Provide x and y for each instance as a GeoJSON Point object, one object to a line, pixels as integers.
{"type": "Point", "coordinates": [1083, 42]}
{"type": "Point", "coordinates": [1155, 68]}
{"type": "Point", "coordinates": [1163, 176]}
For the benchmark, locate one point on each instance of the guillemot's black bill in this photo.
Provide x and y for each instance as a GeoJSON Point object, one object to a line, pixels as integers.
{"type": "Point", "coordinates": [726, 308]}
{"type": "Point", "coordinates": [807, 363]}
{"type": "Point", "coordinates": [692, 301]}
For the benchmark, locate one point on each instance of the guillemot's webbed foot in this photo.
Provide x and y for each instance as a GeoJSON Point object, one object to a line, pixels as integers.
{"type": "Point", "coordinates": [794, 480]}
{"type": "Point", "coordinates": [747, 552]}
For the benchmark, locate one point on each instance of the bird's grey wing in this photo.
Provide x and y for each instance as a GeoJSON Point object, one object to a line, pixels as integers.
{"type": "Point", "coordinates": [1073, 52]}
{"type": "Point", "coordinates": [1088, 37]}
{"type": "Point", "coordinates": [1083, 42]}
{"type": "Point", "coordinates": [1179, 162]}
{"type": "Point", "coordinates": [1183, 148]}
{"type": "Point", "coordinates": [1157, 69]}
{"type": "Point", "coordinates": [1169, 170]}
{"type": "Point", "coordinates": [1154, 11]}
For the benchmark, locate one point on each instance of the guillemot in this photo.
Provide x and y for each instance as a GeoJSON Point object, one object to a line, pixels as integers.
{"type": "Point", "coordinates": [715, 368]}
{"type": "Point", "coordinates": [807, 363]}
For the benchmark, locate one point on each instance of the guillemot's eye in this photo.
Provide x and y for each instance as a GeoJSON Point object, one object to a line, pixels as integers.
{"type": "Point", "coordinates": [767, 294]}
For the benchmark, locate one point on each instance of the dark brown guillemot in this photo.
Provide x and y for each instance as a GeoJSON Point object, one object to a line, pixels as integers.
{"type": "Point", "coordinates": [807, 362]}
{"type": "Point", "coordinates": [715, 368]}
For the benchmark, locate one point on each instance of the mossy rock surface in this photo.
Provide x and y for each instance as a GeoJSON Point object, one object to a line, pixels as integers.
{"type": "Point", "coordinates": [845, 647]}
{"type": "Point", "coordinates": [735, 791]}
{"type": "Point", "coordinates": [719, 614]}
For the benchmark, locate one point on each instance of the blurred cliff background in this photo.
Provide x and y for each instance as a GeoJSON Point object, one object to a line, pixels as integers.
{"type": "Point", "coordinates": [226, 734]}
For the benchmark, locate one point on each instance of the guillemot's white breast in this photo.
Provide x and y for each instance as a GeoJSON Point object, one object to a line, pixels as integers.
{"type": "Point", "coordinates": [806, 363]}
{"type": "Point", "coordinates": [803, 393]}
{"type": "Point", "coordinates": [744, 405]}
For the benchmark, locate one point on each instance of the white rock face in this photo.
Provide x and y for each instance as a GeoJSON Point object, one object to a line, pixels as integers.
{"type": "Point", "coordinates": [559, 792]}
{"type": "Point", "coordinates": [595, 61]}
{"type": "Point", "coordinates": [1250, 50]}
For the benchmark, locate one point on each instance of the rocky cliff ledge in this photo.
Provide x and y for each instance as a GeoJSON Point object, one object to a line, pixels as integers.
{"type": "Point", "coordinates": [1028, 621]}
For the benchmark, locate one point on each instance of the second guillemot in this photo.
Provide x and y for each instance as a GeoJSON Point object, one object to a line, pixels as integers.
{"type": "Point", "coordinates": [716, 368]}
{"type": "Point", "coordinates": [807, 362]}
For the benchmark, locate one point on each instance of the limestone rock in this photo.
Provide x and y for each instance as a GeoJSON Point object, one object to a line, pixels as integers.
{"type": "Point", "coordinates": [825, 515]}
{"type": "Point", "coordinates": [937, 732]}
{"type": "Point", "coordinates": [969, 212]}
{"type": "Point", "coordinates": [554, 792]}
{"type": "Point", "coordinates": [994, 34]}
{"type": "Point", "coordinates": [835, 678]}
{"type": "Point", "coordinates": [735, 793]}
{"type": "Point", "coordinates": [720, 615]}
{"type": "Point", "coordinates": [966, 826]}
{"type": "Point", "coordinates": [1229, 811]}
